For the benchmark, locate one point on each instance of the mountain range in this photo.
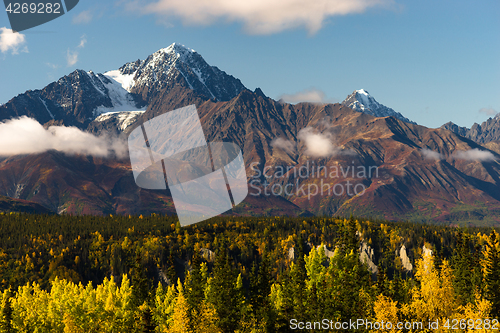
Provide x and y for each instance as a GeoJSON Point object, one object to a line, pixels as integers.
{"type": "Point", "coordinates": [488, 131]}
{"type": "Point", "coordinates": [387, 166]}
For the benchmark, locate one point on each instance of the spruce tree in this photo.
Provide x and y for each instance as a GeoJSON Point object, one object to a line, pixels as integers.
{"type": "Point", "coordinates": [492, 275]}
{"type": "Point", "coordinates": [260, 288]}
{"type": "Point", "coordinates": [461, 263]}
{"type": "Point", "coordinates": [223, 292]}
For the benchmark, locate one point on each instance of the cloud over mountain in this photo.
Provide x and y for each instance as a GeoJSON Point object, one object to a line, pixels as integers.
{"type": "Point", "coordinates": [308, 95]}
{"type": "Point", "coordinates": [26, 136]}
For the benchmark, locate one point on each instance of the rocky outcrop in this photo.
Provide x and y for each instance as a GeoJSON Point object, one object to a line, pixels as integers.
{"type": "Point", "coordinates": [405, 261]}
{"type": "Point", "coordinates": [367, 257]}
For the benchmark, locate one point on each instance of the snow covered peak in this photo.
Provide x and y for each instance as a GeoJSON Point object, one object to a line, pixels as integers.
{"type": "Point", "coordinates": [176, 64]}
{"type": "Point", "coordinates": [361, 101]}
{"type": "Point", "coordinates": [178, 49]}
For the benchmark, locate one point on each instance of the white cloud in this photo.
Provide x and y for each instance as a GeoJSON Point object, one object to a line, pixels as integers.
{"type": "Point", "coordinates": [26, 136]}
{"type": "Point", "coordinates": [12, 41]}
{"type": "Point", "coordinates": [72, 56]}
{"type": "Point", "coordinates": [469, 155]}
{"type": "Point", "coordinates": [83, 41]}
{"type": "Point", "coordinates": [488, 111]}
{"type": "Point", "coordinates": [308, 95]}
{"type": "Point", "coordinates": [474, 155]}
{"type": "Point", "coordinates": [283, 144]}
{"type": "Point", "coordinates": [83, 18]}
{"type": "Point", "coordinates": [257, 16]}
{"type": "Point", "coordinates": [318, 144]}
{"type": "Point", "coordinates": [431, 155]}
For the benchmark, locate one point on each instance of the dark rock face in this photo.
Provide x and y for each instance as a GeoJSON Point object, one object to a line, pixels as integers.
{"type": "Point", "coordinates": [71, 100]}
{"type": "Point", "coordinates": [78, 98]}
{"type": "Point", "coordinates": [178, 65]}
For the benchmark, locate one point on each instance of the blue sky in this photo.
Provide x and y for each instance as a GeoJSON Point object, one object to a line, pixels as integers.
{"type": "Point", "coordinates": [433, 61]}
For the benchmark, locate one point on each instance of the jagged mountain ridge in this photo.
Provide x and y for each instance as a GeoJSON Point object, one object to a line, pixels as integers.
{"type": "Point", "coordinates": [361, 101]}
{"type": "Point", "coordinates": [488, 131]}
{"type": "Point", "coordinates": [78, 98]}
{"type": "Point", "coordinates": [73, 100]}
{"type": "Point", "coordinates": [410, 184]}
{"type": "Point", "coordinates": [176, 63]}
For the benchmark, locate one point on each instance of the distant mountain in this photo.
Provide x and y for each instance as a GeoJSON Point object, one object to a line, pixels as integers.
{"type": "Point", "coordinates": [423, 174]}
{"type": "Point", "coordinates": [73, 100]}
{"type": "Point", "coordinates": [80, 97]}
{"type": "Point", "coordinates": [173, 65]}
{"type": "Point", "coordinates": [362, 101]}
{"type": "Point", "coordinates": [488, 131]}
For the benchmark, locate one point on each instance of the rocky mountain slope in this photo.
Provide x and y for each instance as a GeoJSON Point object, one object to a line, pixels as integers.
{"type": "Point", "coordinates": [79, 98]}
{"type": "Point", "coordinates": [488, 131]}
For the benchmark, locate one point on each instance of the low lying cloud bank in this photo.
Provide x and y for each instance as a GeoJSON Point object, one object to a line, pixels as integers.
{"type": "Point", "coordinates": [27, 136]}
{"type": "Point", "coordinates": [474, 155]}
{"type": "Point", "coordinates": [431, 155]}
{"type": "Point", "coordinates": [469, 155]}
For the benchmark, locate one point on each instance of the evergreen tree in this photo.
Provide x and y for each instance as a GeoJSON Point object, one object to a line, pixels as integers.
{"type": "Point", "coordinates": [195, 287]}
{"type": "Point", "coordinates": [492, 274]}
{"type": "Point", "coordinates": [382, 282]}
{"type": "Point", "coordinates": [171, 274]}
{"type": "Point", "coordinates": [141, 298]}
{"type": "Point", "coordinates": [260, 288]}
{"type": "Point", "coordinates": [140, 288]}
{"type": "Point", "coordinates": [298, 274]}
{"type": "Point", "coordinates": [223, 292]}
{"type": "Point", "coordinates": [463, 268]}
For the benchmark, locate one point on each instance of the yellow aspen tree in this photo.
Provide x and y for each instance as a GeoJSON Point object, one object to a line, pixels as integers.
{"type": "Point", "coordinates": [207, 322]}
{"type": "Point", "coordinates": [473, 317]}
{"type": "Point", "coordinates": [433, 298]}
{"type": "Point", "coordinates": [164, 306]}
{"type": "Point", "coordinates": [180, 322]}
{"type": "Point", "coordinates": [386, 310]}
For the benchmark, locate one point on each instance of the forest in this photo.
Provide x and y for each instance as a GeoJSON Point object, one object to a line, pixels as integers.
{"type": "Point", "coordinates": [244, 274]}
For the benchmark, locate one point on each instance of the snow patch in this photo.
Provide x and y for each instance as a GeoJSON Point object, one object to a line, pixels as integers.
{"type": "Point", "coordinates": [126, 80]}
{"type": "Point", "coordinates": [91, 77]}
{"type": "Point", "coordinates": [124, 118]}
{"type": "Point", "coordinates": [50, 113]}
{"type": "Point", "coordinates": [120, 98]}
